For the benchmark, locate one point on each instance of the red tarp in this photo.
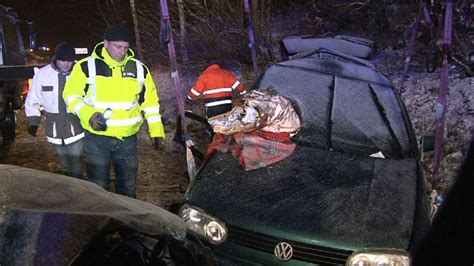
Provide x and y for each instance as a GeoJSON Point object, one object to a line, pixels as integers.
{"type": "Point", "coordinates": [255, 149]}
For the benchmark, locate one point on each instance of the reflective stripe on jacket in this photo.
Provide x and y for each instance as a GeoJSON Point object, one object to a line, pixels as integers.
{"type": "Point", "coordinates": [216, 86]}
{"type": "Point", "coordinates": [99, 82]}
{"type": "Point", "coordinates": [61, 126]}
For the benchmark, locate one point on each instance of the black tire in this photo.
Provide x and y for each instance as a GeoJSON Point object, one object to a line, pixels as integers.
{"type": "Point", "coordinates": [7, 122]}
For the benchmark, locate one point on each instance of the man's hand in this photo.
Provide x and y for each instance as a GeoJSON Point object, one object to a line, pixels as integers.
{"type": "Point", "coordinates": [32, 130]}
{"type": "Point", "coordinates": [97, 122]}
{"type": "Point", "coordinates": [156, 143]}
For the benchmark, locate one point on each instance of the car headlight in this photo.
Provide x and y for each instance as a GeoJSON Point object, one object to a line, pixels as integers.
{"type": "Point", "coordinates": [198, 221]}
{"type": "Point", "coordinates": [379, 257]}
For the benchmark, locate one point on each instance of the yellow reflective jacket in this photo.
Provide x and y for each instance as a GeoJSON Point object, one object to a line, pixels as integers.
{"type": "Point", "coordinates": [99, 82]}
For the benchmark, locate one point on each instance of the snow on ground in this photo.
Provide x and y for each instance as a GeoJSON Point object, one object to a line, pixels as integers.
{"type": "Point", "coordinates": [421, 98]}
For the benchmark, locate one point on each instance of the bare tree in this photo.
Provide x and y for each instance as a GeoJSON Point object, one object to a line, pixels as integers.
{"type": "Point", "coordinates": [137, 32]}
{"type": "Point", "coordinates": [104, 17]}
{"type": "Point", "coordinates": [182, 30]}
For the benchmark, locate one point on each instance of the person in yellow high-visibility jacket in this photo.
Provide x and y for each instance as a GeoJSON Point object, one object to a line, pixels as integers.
{"type": "Point", "coordinates": [112, 93]}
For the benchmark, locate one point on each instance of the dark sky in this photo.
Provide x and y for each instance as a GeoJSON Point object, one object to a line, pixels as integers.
{"type": "Point", "coordinates": [76, 21]}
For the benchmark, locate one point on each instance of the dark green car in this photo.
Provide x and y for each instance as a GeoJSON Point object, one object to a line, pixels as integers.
{"type": "Point", "coordinates": [353, 192]}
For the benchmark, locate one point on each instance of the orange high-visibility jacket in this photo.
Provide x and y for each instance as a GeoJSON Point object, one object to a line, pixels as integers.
{"type": "Point", "coordinates": [216, 86]}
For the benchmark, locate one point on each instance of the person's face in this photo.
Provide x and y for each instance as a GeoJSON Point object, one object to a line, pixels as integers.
{"type": "Point", "coordinates": [64, 66]}
{"type": "Point", "coordinates": [117, 49]}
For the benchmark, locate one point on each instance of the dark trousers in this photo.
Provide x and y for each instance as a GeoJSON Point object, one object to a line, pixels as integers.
{"type": "Point", "coordinates": [217, 110]}
{"type": "Point", "coordinates": [101, 151]}
{"type": "Point", "coordinates": [71, 157]}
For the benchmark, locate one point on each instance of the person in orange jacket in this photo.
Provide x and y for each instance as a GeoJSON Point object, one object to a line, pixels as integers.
{"type": "Point", "coordinates": [216, 85]}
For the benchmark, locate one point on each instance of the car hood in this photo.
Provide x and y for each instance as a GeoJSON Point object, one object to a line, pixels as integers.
{"type": "Point", "coordinates": [47, 217]}
{"type": "Point", "coordinates": [315, 196]}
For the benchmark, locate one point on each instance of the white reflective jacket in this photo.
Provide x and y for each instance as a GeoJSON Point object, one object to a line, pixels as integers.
{"type": "Point", "coordinates": [45, 92]}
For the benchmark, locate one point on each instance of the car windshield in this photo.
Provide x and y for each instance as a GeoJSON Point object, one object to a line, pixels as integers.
{"type": "Point", "coordinates": [344, 104]}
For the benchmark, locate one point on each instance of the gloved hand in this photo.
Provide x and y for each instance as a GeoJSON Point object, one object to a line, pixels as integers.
{"type": "Point", "coordinates": [189, 103]}
{"type": "Point", "coordinates": [156, 143]}
{"type": "Point", "coordinates": [32, 130]}
{"type": "Point", "coordinates": [97, 122]}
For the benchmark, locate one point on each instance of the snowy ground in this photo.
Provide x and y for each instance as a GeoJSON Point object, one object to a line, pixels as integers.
{"type": "Point", "coordinates": [421, 97]}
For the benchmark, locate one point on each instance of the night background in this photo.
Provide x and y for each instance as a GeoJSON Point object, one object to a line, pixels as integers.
{"type": "Point", "coordinates": [198, 25]}
{"type": "Point", "coordinates": [208, 29]}
{"type": "Point", "coordinates": [58, 21]}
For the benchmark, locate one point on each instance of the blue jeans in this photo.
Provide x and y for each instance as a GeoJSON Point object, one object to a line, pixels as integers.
{"type": "Point", "coordinates": [71, 157]}
{"type": "Point", "coordinates": [101, 151]}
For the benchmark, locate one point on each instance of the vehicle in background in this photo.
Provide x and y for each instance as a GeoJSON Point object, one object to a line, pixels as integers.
{"type": "Point", "coordinates": [14, 71]}
{"type": "Point", "coordinates": [40, 55]}
{"type": "Point", "coordinates": [81, 52]}
{"type": "Point", "coordinates": [353, 192]}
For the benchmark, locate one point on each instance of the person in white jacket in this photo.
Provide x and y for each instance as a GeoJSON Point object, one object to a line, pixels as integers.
{"type": "Point", "coordinates": [63, 129]}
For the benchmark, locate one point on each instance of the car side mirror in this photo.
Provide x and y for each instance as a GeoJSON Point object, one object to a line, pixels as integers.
{"type": "Point", "coordinates": [427, 143]}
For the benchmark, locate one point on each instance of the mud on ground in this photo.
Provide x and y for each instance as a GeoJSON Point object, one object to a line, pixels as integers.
{"type": "Point", "coordinates": [161, 178]}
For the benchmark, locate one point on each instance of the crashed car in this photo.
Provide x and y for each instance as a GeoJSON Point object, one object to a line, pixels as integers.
{"type": "Point", "coordinates": [51, 219]}
{"type": "Point", "coordinates": [353, 192]}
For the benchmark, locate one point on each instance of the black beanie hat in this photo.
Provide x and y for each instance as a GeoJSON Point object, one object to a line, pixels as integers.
{"type": "Point", "coordinates": [64, 52]}
{"type": "Point", "coordinates": [118, 32]}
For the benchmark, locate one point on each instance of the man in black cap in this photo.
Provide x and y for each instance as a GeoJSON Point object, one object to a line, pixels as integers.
{"type": "Point", "coordinates": [112, 93]}
{"type": "Point", "coordinates": [63, 129]}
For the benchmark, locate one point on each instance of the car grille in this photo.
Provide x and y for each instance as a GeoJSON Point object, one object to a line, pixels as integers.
{"type": "Point", "coordinates": [301, 251]}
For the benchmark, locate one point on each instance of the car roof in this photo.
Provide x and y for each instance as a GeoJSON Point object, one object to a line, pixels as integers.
{"type": "Point", "coordinates": [344, 103]}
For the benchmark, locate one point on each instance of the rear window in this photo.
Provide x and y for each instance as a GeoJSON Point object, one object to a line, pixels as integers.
{"type": "Point", "coordinates": [344, 106]}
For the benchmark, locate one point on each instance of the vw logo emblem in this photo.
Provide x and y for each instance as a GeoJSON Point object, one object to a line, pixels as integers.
{"type": "Point", "coordinates": [283, 251]}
